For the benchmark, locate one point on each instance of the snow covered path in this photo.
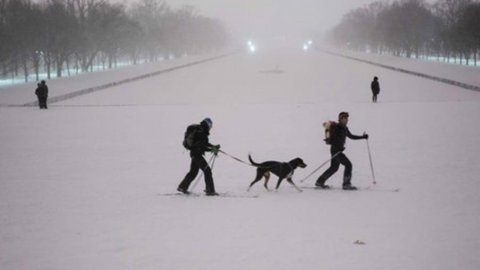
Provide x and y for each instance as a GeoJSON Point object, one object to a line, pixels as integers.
{"type": "Point", "coordinates": [455, 72]}
{"type": "Point", "coordinates": [69, 87]}
{"type": "Point", "coordinates": [80, 183]}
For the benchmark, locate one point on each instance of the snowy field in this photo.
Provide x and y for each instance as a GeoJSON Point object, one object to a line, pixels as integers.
{"type": "Point", "coordinates": [81, 183]}
{"type": "Point", "coordinates": [461, 73]}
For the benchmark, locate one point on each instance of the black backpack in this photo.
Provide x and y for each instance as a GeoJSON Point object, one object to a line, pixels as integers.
{"type": "Point", "coordinates": [189, 137]}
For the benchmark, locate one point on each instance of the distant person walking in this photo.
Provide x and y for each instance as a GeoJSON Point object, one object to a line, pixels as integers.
{"type": "Point", "coordinates": [338, 132]}
{"type": "Point", "coordinates": [375, 86]}
{"type": "Point", "coordinates": [196, 141]}
{"type": "Point", "coordinates": [42, 94]}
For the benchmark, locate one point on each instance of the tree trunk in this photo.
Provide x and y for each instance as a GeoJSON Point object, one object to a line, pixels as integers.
{"type": "Point", "coordinates": [4, 70]}
{"type": "Point", "coordinates": [110, 61]}
{"type": "Point", "coordinates": [25, 67]}
{"type": "Point", "coordinates": [68, 66]}
{"type": "Point", "coordinates": [59, 66]}
{"type": "Point", "coordinates": [48, 63]}
{"type": "Point", "coordinates": [16, 67]}
{"type": "Point", "coordinates": [76, 65]}
{"type": "Point", "coordinates": [36, 64]}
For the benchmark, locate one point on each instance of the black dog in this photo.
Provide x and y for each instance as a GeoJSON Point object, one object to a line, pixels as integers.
{"type": "Point", "coordinates": [281, 169]}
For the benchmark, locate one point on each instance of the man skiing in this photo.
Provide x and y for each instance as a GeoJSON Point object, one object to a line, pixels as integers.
{"type": "Point", "coordinates": [42, 94]}
{"type": "Point", "coordinates": [375, 86]}
{"type": "Point", "coordinates": [196, 140]}
{"type": "Point", "coordinates": [338, 133]}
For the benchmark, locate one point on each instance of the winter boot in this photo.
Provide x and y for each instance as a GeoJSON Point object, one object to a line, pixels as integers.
{"type": "Point", "coordinates": [211, 193]}
{"type": "Point", "coordinates": [182, 190]}
{"type": "Point", "coordinates": [349, 187]}
{"type": "Point", "coordinates": [321, 186]}
{"type": "Point", "coordinates": [321, 183]}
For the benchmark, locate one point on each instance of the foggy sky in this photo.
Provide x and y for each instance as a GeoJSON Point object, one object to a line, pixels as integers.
{"type": "Point", "coordinates": [273, 18]}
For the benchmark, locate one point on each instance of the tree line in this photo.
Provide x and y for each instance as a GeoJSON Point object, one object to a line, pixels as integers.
{"type": "Point", "coordinates": [57, 36]}
{"type": "Point", "coordinates": [448, 29]}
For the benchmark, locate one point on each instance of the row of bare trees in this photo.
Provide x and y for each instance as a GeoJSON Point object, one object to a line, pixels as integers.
{"type": "Point", "coordinates": [57, 36]}
{"type": "Point", "coordinates": [448, 29]}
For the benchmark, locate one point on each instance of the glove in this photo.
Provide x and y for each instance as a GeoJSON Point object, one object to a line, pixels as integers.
{"type": "Point", "coordinates": [215, 148]}
{"type": "Point", "coordinates": [365, 136]}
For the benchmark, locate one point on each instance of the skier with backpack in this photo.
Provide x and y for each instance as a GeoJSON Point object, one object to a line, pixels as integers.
{"type": "Point", "coordinates": [196, 141]}
{"type": "Point", "coordinates": [335, 136]}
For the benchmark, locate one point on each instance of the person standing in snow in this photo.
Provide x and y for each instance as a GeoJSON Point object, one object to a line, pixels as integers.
{"type": "Point", "coordinates": [196, 140]}
{"type": "Point", "coordinates": [375, 86]}
{"type": "Point", "coordinates": [42, 94]}
{"type": "Point", "coordinates": [338, 134]}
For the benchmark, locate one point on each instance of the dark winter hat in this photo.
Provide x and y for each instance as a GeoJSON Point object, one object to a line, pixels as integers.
{"type": "Point", "coordinates": [43, 81]}
{"type": "Point", "coordinates": [375, 78]}
{"type": "Point", "coordinates": [208, 122]}
{"type": "Point", "coordinates": [342, 115]}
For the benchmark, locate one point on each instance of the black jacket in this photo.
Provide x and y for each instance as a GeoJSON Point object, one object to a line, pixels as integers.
{"type": "Point", "coordinates": [201, 143]}
{"type": "Point", "coordinates": [339, 136]}
{"type": "Point", "coordinates": [42, 90]}
{"type": "Point", "coordinates": [375, 86]}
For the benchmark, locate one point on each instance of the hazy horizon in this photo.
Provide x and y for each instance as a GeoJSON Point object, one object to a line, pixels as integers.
{"type": "Point", "coordinates": [272, 18]}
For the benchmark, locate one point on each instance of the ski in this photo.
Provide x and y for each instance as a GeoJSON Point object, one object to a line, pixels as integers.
{"type": "Point", "coordinates": [180, 194]}
{"type": "Point", "coordinates": [220, 194]}
{"type": "Point", "coordinates": [234, 195]}
{"type": "Point", "coordinates": [369, 188]}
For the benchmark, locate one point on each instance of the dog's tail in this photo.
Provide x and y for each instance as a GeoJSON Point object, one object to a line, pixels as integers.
{"type": "Point", "coordinates": [253, 162]}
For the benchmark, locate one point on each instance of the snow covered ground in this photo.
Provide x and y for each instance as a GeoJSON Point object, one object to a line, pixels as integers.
{"type": "Point", "coordinates": [81, 183]}
{"type": "Point", "coordinates": [465, 74]}
{"type": "Point", "coordinates": [21, 94]}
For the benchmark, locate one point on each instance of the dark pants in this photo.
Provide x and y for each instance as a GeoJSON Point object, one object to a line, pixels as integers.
{"type": "Point", "coordinates": [198, 163]}
{"type": "Point", "coordinates": [42, 102]}
{"type": "Point", "coordinates": [334, 165]}
{"type": "Point", "coordinates": [374, 98]}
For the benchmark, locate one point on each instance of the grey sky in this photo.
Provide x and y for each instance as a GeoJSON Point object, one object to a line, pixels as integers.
{"type": "Point", "coordinates": [274, 18]}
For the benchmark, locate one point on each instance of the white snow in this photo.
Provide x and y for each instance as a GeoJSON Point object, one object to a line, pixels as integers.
{"type": "Point", "coordinates": [80, 183]}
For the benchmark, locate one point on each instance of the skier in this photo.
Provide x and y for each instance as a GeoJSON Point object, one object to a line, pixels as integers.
{"type": "Point", "coordinates": [42, 94]}
{"type": "Point", "coordinates": [338, 133]}
{"type": "Point", "coordinates": [375, 86]}
{"type": "Point", "coordinates": [196, 140]}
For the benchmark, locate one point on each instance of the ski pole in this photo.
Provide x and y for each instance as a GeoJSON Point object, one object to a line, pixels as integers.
{"type": "Point", "coordinates": [319, 167]}
{"type": "Point", "coordinates": [211, 162]}
{"type": "Point", "coordinates": [371, 163]}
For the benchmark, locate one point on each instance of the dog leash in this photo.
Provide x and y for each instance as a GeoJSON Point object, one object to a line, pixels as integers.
{"type": "Point", "coordinates": [235, 158]}
{"type": "Point", "coordinates": [251, 165]}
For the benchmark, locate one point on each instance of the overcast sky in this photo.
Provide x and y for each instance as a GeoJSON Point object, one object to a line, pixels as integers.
{"type": "Point", "coordinates": [279, 17]}
{"type": "Point", "coordinates": [273, 18]}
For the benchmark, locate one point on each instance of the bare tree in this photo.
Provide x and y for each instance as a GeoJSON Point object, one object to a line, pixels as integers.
{"type": "Point", "coordinates": [53, 33]}
{"type": "Point", "coordinates": [468, 27]}
{"type": "Point", "coordinates": [413, 28]}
